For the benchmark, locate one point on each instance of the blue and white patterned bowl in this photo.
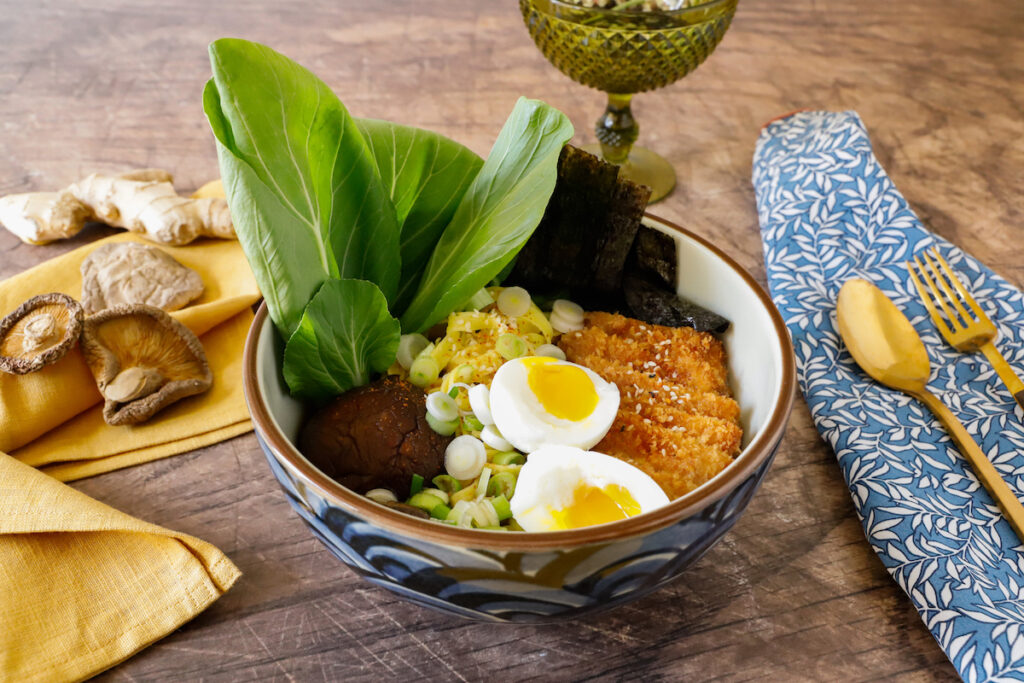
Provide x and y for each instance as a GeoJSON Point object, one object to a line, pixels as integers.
{"type": "Point", "coordinates": [536, 577]}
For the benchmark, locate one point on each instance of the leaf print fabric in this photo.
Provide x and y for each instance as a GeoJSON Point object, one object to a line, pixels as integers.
{"type": "Point", "coordinates": [828, 213]}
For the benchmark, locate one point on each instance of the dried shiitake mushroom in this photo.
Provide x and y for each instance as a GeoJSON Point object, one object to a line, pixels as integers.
{"type": "Point", "coordinates": [133, 273]}
{"type": "Point", "coordinates": [39, 332]}
{"type": "Point", "coordinates": [143, 360]}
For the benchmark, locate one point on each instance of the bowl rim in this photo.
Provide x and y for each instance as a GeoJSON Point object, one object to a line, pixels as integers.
{"type": "Point", "coordinates": [701, 8]}
{"type": "Point", "coordinates": [756, 452]}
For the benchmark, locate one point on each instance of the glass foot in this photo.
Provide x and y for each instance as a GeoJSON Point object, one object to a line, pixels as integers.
{"type": "Point", "coordinates": [645, 168]}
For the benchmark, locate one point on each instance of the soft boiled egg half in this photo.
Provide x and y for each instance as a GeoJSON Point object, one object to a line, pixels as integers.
{"type": "Point", "coordinates": [561, 487]}
{"type": "Point", "coordinates": [539, 400]}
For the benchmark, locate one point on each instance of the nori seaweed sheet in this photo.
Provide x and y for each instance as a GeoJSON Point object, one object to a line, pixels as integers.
{"type": "Point", "coordinates": [584, 238]}
{"type": "Point", "coordinates": [653, 304]}
{"type": "Point", "coordinates": [653, 256]}
{"type": "Point", "coordinates": [591, 247]}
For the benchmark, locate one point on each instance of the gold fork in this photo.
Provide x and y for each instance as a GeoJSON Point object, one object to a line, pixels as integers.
{"type": "Point", "coordinates": [962, 330]}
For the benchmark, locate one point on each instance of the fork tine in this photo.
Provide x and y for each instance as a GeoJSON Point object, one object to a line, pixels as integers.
{"type": "Point", "coordinates": [926, 298]}
{"type": "Point", "coordinates": [952, 322]}
{"type": "Point", "coordinates": [950, 296]}
{"type": "Point", "coordinates": [951, 274]}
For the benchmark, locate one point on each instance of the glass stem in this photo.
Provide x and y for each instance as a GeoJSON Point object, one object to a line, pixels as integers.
{"type": "Point", "coordinates": [617, 129]}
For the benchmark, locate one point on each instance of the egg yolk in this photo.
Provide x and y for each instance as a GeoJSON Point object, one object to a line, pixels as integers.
{"type": "Point", "coordinates": [565, 391]}
{"type": "Point", "coordinates": [591, 505]}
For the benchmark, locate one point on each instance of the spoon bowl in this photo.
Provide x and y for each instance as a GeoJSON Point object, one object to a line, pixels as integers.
{"type": "Point", "coordinates": [880, 338]}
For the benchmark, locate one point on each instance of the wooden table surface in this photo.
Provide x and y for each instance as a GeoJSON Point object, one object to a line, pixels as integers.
{"type": "Point", "coordinates": [793, 592]}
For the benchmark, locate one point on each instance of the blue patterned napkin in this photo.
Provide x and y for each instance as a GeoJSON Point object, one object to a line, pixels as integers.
{"type": "Point", "coordinates": [829, 213]}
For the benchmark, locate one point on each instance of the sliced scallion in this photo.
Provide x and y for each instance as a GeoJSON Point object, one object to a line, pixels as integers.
{"type": "Point", "coordinates": [510, 346]}
{"type": "Point", "coordinates": [508, 458]}
{"type": "Point", "coordinates": [514, 302]}
{"type": "Point", "coordinates": [416, 486]}
{"type": "Point", "coordinates": [502, 507]}
{"type": "Point", "coordinates": [480, 403]}
{"type": "Point", "coordinates": [549, 350]}
{"type": "Point", "coordinates": [410, 346]}
{"type": "Point", "coordinates": [493, 438]}
{"type": "Point", "coordinates": [501, 484]}
{"type": "Point", "coordinates": [442, 428]}
{"type": "Point", "coordinates": [481, 299]}
{"type": "Point", "coordinates": [465, 457]}
{"type": "Point", "coordinates": [442, 406]}
{"type": "Point", "coordinates": [447, 483]}
{"type": "Point", "coordinates": [424, 371]}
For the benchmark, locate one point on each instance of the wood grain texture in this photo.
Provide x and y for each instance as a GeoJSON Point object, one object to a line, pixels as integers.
{"type": "Point", "coordinates": [793, 592]}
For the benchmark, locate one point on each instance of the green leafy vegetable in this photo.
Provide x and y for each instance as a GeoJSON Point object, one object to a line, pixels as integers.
{"type": "Point", "coordinates": [426, 175]}
{"type": "Point", "coordinates": [345, 334]}
{"type": "Point", "coordinates": [496, 215]}
{"type": "Point", "coordinates": [302, 185]}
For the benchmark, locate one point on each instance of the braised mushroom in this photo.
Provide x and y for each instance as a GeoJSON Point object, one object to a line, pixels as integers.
{"type": "Point", "coordinates": [39, 332]}
{"type": "Point", "coordinates": [143, 360]}
{"type": "Point", "coordinates": [133, 273]}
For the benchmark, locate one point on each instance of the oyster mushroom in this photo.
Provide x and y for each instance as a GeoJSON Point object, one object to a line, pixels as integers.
{"type": "Point", "coordinates": [133, 273]}
{"type": "Point", "coordinates": [39, 332]}
{"type": "Point", "coordinates": [143, 360]}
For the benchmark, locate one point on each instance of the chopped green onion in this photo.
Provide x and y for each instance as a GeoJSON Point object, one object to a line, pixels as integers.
{"type": "Point", "coordinates": [447, 483]}
{"type": "Point", "coordinates": [502, 483]}
{"type": "Point", "coordinates": [465, 457]}
{"type": "Point", "coordinates": [502, 507]}
{"type": "Point", "coordinates": [508, 458]}
{"type": "Point", "coordinates": [442, 428]}
{"type": "Point", "coordinates": [484, 514]}
{"type": "Point", "coordinates": [567, 310]}
{"type": "Point", "coordinates": [481, 484]}
{"type": "Point", "coordinates": [442, 406]}
{"type": "Point", "coordinates": [493, 438]}
{"type": "Point", "coordinates": [454, 392]}
{"type": "Point", "coordinates": [464, 373]}
{"type": "Point", "coordinates": [442, 495]}
{"type": "Point", "coordinates": [481, 299]}
{"type": "Point", "coordinates": [510, 346]}
{"type": "Point", "coordinates": [381, 496]}
{"type": "Point", "coordinates": [410, 346]}
{"type": "Point", "coordinates": [416, 486]}
{"type": "Point", "coordinates": [440, 511]}
{"type": "Point", "coordinates": [514, 302]}
{"type": "Point", "coordinates": [424, 501]}
{"type": "Point", "coordinates": [471, 424]}
{"type": "Point", "coordinates": [424, 371]}
{"type": "Point", "coordinates": [549, 350]}
{"type": "Point", "coordinates": [480, 402]}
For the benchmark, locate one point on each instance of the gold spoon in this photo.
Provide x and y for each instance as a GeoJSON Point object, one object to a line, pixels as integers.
{"type": "Point", "coordinates": [886, 346]}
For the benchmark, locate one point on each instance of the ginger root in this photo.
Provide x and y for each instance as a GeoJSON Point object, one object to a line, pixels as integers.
{"type": "Point", "coordinates": [140, 201]}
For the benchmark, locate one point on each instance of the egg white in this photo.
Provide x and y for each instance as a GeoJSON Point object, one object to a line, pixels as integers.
{"type": "Point", "coordinates": [522, 420]}
{"type": "Point", "coordinates": [548, 480]}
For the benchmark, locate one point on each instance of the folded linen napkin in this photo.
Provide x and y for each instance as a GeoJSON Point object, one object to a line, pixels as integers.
{"type": "Point", "coordinates": [83, 586]}
{"type": "Point", "coordinates": [828, 213]}
{"type": "Point", "coordinates": [52, 418]}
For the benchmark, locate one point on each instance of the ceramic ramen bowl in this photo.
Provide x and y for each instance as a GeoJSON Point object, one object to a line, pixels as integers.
{"type": "Point", "coordinates": [536, 577]}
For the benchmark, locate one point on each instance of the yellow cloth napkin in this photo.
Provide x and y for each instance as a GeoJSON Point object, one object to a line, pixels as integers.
{"type": "Point", "coordinates": [52, 419]}
{"type": "Point", "coordinates": [83, 586]}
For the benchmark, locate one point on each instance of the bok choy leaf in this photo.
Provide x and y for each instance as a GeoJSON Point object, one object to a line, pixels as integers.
{"type": "Point", "coordinates": [426, 175]}
{"type": "Point", "coordinates": [303, 188]}
{"type": "Point", "coordinates": [496, 215]}
{"type": "Point", "coordinates": [345, 334]}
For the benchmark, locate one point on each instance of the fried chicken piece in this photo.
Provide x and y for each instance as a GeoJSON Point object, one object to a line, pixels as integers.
{"type": "Point", "coordinates": [677, 420]}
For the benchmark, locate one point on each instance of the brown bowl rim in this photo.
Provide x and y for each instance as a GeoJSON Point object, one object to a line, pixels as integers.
{"type": "Point", "coordinates": [752, 456]}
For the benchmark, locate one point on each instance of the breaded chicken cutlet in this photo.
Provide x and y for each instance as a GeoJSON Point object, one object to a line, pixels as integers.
{"type": "Point", "coordinates": [677, 420]}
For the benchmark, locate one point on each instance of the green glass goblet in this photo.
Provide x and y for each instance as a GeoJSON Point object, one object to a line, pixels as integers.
{"type": "Point", "coordinates": [621, 53]}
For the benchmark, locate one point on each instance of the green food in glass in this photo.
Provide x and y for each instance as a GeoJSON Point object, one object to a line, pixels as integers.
{"type": "Point", "coordinates": [622, 52]}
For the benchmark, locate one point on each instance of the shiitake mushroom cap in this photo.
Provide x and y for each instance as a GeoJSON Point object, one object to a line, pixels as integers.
{"type": "Point", "coordinates": [135, 342]}
{"type": "Point", "coordinates": [57, 321]}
